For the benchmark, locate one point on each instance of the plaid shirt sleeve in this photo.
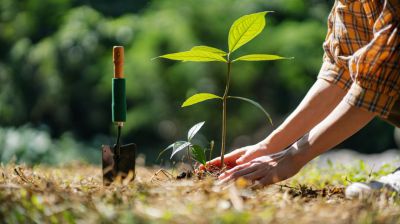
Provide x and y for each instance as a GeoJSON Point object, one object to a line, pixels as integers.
{"type": "Point", "coordinates": [362, 53]}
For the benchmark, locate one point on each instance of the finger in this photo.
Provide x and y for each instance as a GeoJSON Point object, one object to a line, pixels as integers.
{"type": "Point", "coordinates": [229, 160]}
{"type": "Point", "coordinates": [240, 173]}
{"type": "Point", "coordinates": [233, 170]}
{"type": "Point", "coordinates": [271, 178]}
{"type": "Point", "coordinates": [214, 162]}
{"type": "Point", "coordinates": [249, 155]}
{"type": "Point", "coordinates": [256, 175]}
{"type": "Point", "coordinates": [245, 171]}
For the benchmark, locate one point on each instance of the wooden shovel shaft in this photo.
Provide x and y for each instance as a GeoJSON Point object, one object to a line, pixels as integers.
{"type": "Point", "coordinates": [118, 58]}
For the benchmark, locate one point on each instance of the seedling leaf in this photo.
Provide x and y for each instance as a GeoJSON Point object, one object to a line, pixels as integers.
{"type": "Point", "coordinates": [199, 97]}
{"type": "Point", "coordinates": [259, 57]}
{"type": "Point", "coordinates": [199, 154]}
{"type": "Point", "coordinates": [178, 146]}
{"type": "Point", "coordinates": [209, 49]}
{"type": "Point", "coordinates": [164, 150]}
{"type": "Point", "coordinates": [193, 130]}
{"type": "Point", "coordinates": [255, 104]}
{"type": "Point", "coordinates": [194, 55]}
{"type": "Point", "coordinates": [245, 29]}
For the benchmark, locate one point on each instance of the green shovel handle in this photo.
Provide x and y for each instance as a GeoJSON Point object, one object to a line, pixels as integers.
{"type": "Point", "coordinates": [118, 100]}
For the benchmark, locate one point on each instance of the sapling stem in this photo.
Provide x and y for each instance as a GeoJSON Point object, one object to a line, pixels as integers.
{"type": "Point", "coordinates": [211, 149]}
{"type": "Point", "coordinates": [224, 101]}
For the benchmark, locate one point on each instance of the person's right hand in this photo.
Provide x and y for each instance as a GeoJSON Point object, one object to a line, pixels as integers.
{"type": "Point", "coordinates": [238, 156]}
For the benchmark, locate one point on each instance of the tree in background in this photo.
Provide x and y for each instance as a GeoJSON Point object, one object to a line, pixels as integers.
{"type": "Point", "coordinates": [53, 52]}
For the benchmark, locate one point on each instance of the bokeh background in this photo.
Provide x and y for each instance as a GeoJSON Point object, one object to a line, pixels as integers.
{"type": "Point", "coordinates": [56, 70]}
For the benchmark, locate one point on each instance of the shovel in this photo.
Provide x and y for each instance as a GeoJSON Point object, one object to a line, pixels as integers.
{"type": "Point", "coordinates": [119, 160]}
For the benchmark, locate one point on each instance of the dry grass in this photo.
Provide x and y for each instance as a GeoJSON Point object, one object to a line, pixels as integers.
{"type": "Point", "coordinates": [74, 194]}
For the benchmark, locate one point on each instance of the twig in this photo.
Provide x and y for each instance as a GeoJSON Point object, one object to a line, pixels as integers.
{"type": "Point", "coordinates": [163, 171]}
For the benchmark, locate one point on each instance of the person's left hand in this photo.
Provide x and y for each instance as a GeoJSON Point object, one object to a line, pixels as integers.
{"type": "Point", "coordinates": [265, 170]}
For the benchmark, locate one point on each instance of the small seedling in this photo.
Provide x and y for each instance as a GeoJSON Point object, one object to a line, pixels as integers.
{"type": "Point", "coordinates": [194, 151]}
{"type": "Point", "coordinates": [241, 32]}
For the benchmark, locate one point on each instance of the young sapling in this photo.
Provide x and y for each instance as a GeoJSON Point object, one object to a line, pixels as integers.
{"type": "Point", "coordinates": [241, 32]}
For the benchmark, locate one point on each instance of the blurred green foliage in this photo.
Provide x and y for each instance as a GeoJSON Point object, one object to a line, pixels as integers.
{"type": "Point", "coordinates": [56, 68]}
{"type": "Point", "coordinates": [33, 145]}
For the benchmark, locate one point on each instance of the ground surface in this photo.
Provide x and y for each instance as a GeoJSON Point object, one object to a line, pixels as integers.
{"type": "Point", "coordinates": [74, 194]}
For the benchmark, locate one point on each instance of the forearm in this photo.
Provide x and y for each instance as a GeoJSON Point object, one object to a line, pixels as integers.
{"type": "Point", "coordinates": [342, 123]}
{"type": "Point", "coordinates": [321, 99]}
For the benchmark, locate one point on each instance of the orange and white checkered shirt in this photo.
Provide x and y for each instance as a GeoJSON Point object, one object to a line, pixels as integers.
{"type": "Point", "coordinates": [362, 53]}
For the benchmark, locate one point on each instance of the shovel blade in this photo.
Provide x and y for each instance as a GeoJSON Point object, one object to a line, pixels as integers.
{"type": "Point", "coordinates": [120, 168]}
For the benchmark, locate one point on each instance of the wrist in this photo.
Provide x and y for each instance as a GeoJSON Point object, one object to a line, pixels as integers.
{"type": "Point", "coordinates": [264, 144]}
{"type": "Point", "coordinates": [272, 143]}
{"type": "Point", "coordinates": [300, 151]}
{"type": "Point", "coordinates": [262, 147]}
{"type": "Point", "coordinates": [300, 159]}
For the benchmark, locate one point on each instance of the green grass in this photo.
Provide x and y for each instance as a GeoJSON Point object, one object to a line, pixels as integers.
{"type": "Point", "coordinates": [74, 194]}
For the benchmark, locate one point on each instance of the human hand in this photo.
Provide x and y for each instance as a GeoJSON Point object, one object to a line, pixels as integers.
{"type": "Point", "coordinates": [252, 152]}
{"type": "Point", "coordinates": [265, 169]}
{"type": "Point", "coordinates": [229, 159]}
{"type": "Point", "coordinates": [234, 158]}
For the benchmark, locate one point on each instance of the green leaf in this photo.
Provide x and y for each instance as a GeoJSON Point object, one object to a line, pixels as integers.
{"type": "Point", "coordinates": [164, 150]}
{"type": "Point", "coordinates": [209, 49]}
{"type": "Point", "coordinates": [245, 29]}
{"type": "Point", "coordinates": [259, 57]}
{"type": "Point", "coordinates": [178, 146]}
{"type": "Point", "coordinates": [199, 97]}
{"type": "Point", "coordinates": [193, 130]}
{"type": "Point", "coordinates": [199, 154]}
{"type": "Point", "coordinates": [255, 104]}
{"type": "Point", "coordinates": [194, 55]}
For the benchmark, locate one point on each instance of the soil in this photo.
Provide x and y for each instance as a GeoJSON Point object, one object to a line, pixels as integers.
{"type": "Point", "coordinates": [74, 194]}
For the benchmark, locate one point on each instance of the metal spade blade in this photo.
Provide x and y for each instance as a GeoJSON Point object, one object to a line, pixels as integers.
{"type": "Point", "coordinates": [118, 165]}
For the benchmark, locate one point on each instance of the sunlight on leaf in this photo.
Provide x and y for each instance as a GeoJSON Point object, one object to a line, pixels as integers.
{"type": "Point", "coordinates": [194, 55]}
{"type": "Point", "coordinates": [178, 146]}
{"type": "Point", "coordinates": [259, 57]}
{"type": "Point", "coordinates": [245, 29]}
{"type": "Point", "coordinates": [255, 104]}
{"type": "Point", "coordinates": [209, 49]}
{"type": "Point", "coordinates": [199, 97]}
{"type": "Point", "coordinates": [193, 131]}
{"type": "Point", "coordinates": [199, 154]}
